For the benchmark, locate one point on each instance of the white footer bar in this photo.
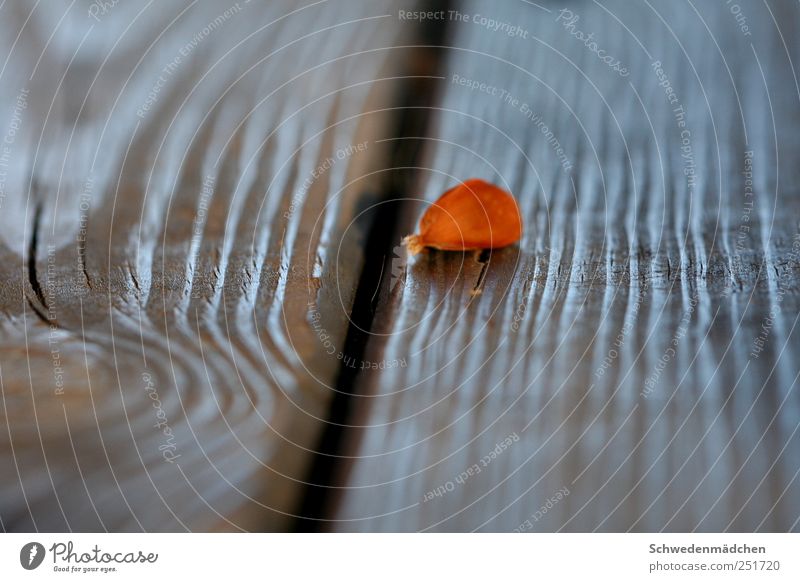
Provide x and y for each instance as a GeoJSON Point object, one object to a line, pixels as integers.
{"type": "Point", "coordinates": [355, 557]}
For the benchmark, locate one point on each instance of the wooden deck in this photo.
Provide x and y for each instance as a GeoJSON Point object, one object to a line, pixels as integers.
{"type": "Point", "coordinates": [207, 322]}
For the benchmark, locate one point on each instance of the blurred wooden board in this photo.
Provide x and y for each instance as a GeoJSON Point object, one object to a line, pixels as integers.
{"type": "Point", "coordinates": [633, 365]}
{"type": "Point", "coordinates": [181, 181]}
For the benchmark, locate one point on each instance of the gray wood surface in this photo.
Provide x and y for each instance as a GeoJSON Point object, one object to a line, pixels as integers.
{"type": "Point", "coordinates": [189, 197]}
{"type": "Point", "coordinates": [173, 274]}
{"type": "Point", "coordinates": [633, 364]}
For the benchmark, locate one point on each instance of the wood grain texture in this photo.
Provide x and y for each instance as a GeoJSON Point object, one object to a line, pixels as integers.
{"type": "Point", "coordinates": [639, 349]}
{"type": "Point", "coordinates": [180, 244]}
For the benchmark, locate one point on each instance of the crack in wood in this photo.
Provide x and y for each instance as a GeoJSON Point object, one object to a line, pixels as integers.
{"type": "Point", "coordinates": [417, 95]}
{"type": "Point", "coordinates": [483, 258]}
{"type": "Point", "coordinates": [42, 308]}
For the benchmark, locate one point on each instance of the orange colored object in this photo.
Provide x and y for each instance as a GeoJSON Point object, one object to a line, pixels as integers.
{"type": "Point", "coordinates": [473, 215]}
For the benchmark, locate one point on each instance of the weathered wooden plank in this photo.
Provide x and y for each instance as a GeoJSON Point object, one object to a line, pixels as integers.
{"type": "Point", "coordinates": [181, 181]}
{"type": "Point", "coordinates": [633, 364]}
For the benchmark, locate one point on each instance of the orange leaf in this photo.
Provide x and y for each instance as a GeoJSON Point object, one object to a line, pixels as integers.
{"type": "Point", "coordinates": [473, 215]}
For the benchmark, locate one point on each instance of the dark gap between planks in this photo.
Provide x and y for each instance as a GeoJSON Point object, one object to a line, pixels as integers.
{"type": "Point", "coordinates": [417, 94]}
